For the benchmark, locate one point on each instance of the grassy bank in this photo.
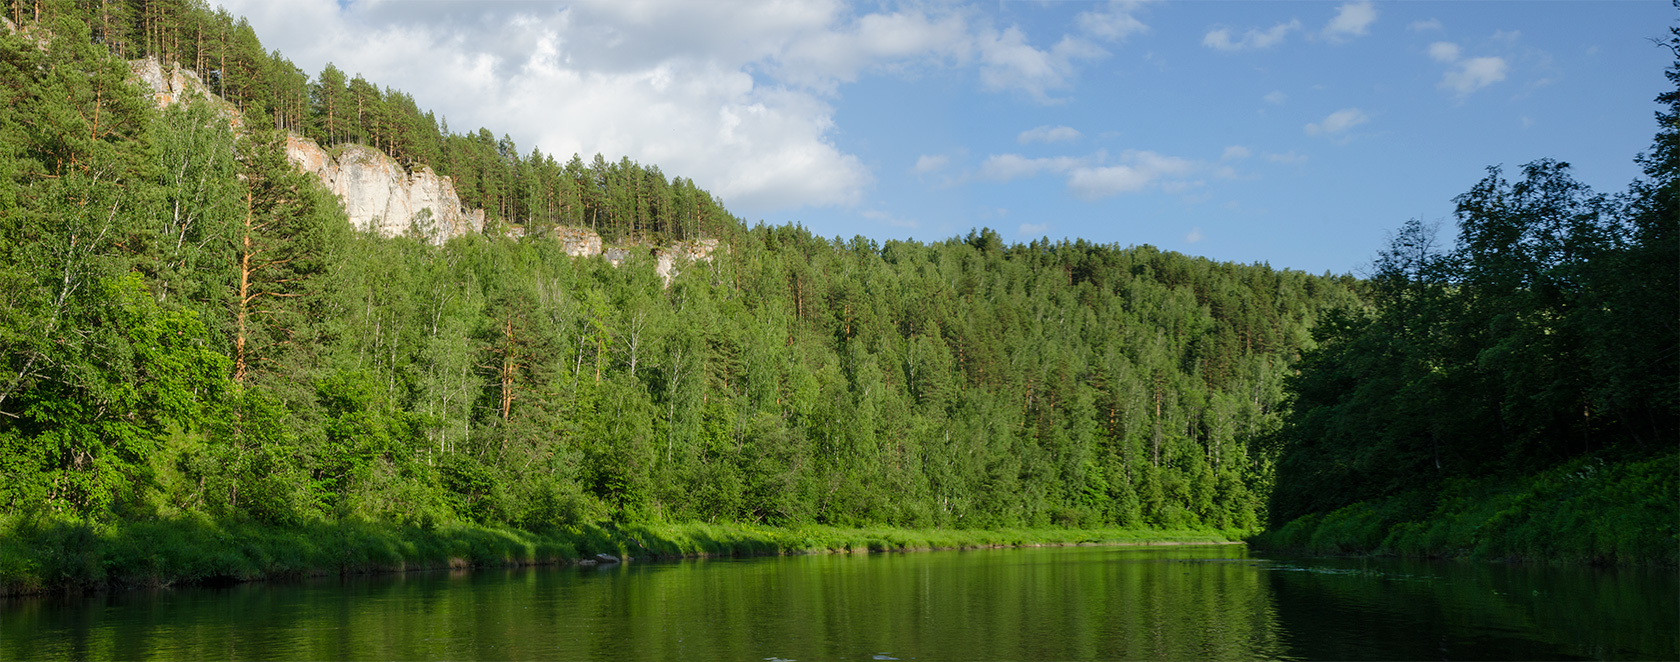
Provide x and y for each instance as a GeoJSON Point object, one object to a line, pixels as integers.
{"type": "Point", "coordinates": [1586, 511]}
{"type": "Point", "coordinates": [73, 556]}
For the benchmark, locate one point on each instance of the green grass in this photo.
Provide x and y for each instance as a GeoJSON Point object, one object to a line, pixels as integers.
{"type": "Point", "coordinates": [1587, 511]}
{"type": "Point", "coordinates": [37, 556]}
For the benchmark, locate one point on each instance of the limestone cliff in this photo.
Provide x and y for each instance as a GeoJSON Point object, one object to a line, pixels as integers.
{"type": "Point", "coordinates": [381, 196]}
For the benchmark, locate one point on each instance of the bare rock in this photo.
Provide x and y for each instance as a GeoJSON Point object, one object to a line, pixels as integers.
{"type": "Point", "coordinates": [683, 253]}
{"type": "Point", "coordinates": [171, 84]}
{"type": "Point", "coordinates": [381, 196]}
{"type": "Point", "coordinates": [578, 242]}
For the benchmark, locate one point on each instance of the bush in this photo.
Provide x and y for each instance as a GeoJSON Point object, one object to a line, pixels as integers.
{"type": "Point", "coordinates": [1590, 510]}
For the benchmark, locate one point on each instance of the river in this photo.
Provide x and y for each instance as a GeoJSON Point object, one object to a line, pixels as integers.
{"type": "Point", "coordinates": [1073, 603]}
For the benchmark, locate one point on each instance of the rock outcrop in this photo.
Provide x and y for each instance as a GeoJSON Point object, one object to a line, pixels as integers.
{"type": "Point", "coordinates": [174, 84]}
{"type": "Point", "coordinates": [578, 242]}
{"type": "Point", "coordinates": [682, 253]}
{"type": "Point", "coordinates": [668, 259]}
{"type": "Point", "coordinates": [381, 196]}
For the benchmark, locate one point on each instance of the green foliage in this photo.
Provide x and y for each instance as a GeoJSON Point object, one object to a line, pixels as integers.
{"type": "Point", "coordinates": [36, 554]}
{"type": "Point", "coordinates": [1589, 510]}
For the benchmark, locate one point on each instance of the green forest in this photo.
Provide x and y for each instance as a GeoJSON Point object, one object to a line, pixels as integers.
{"type": "Point", "coordinates": [192, 335]}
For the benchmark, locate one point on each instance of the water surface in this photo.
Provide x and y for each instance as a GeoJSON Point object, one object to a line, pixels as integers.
{"type": "Point", "coordinates": [1203, 602]}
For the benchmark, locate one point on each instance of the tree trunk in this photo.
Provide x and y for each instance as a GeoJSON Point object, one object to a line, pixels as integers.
{"type": "Point", "coordinates": [509, 368]}
{"type": "Point", "coordinates": [244, 294]}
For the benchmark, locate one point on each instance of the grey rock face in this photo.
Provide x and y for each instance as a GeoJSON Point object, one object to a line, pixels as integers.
{"type": "Point", "coordinates": [381, 196]}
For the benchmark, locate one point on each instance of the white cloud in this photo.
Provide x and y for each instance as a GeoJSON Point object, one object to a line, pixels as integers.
{"type": "Point", "coordinates": [828, 57]}
{"type": "Point", "coordinates": [1138, 171]}
{"type": "Point", "coordinates": [1338, 122]}
{"type": "Point", "coordinates": [1178, 186]}
{"type": "Point", "coordinates": [1443, 51]}
{"type": "Point", "coordinates": [1048, 134]}
{"type": "Point", "coordinates": [1220, 39]}
{"type": "Point", "coordinates": [1194, 236]}
{"type": "Point", "coordinates": [1467, 76]}
{"type": "Point", "coordinates": [1352, 19]}
{"type": "Point", "coordinates": [1235, 152]}
{"type": "Point", "coordinates": [1090, 178]}
{"type": "Point", "coordinates": [1424, 25]}
{"type": "Point", "coordinates": [1112, 23]}
{"type": "Point", "coordinates": [1032, 229]}
{"type": "Point", "coordinates": [931, 162]}
{"type": "Point", "coordinates": [1008, 62]}
{"type": "Point", "coordinates": [1006, 167]}
{"type": "Point", "coordinates": [1287, 158]}
{"type": "Point", "coordinates": [888, 219]}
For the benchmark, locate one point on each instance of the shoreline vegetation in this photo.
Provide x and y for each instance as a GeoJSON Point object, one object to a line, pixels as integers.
{"type": "Point", "coordinates": [67, 557]}
{"type": "Point", "coordinates": [1589, 511]}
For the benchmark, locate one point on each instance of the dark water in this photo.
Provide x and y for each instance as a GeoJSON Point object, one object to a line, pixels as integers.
{"type": "Point", "coordinates": [1216, 602]}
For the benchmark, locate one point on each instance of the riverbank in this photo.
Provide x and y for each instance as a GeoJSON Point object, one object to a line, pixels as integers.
{"type": "Point", "coordinates": [37, 557]}
{"type": "Point", "coordinates": [1588, 511]}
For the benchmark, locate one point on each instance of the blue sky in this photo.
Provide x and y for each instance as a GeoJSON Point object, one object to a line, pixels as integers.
{"type": "Point", "coordinates": [1292, 133]}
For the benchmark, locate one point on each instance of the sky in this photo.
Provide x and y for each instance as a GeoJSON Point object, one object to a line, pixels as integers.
{"type": "Point", "coordinates": [1297, 134]}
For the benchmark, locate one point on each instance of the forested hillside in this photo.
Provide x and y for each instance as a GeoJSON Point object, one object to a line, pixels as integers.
{"type": "Point", "coordinates": [1514, 390]}
{"type": "Point", "coordinates": [190, 329]}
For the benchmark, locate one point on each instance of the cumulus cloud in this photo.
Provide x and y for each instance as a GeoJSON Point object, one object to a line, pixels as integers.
{"type": "Point", "coordinates": [1338, 122]}
{"type": "Point", "coordinates": [1424, 25]}
{"type": "Point", "coordinates": [1194, 236]}
{"type": "Point", "coordinates": [1032, 229]}
{"type": "Point", "coordinates": [1221, 38]}
{"type": "Point", "coordinates": [1443, 51]}
{"type": "Point", "coordinates": [1007, 167]}
{"type": "Point", "coordinates": [1275, 97]}
{"type": "Point", "coordinates": [1467, 76]}
{"type": "Point", "coordinates": [1009, 63]}
{"type": "Point", "coordinates": [1113, 22]}
{"type": "Point", "coordinates": [826, 58]}
{"type": "Point", "coordinates": [888, 219]}
{"type": "Point", "coordinates": [1235, 153]}
{"type": "Point", "coordinates": [1353, 19]}
{"type": "Point", "coordinates": [1094, 177]}
{"type": "Point", "coordinates": [1464, 76]}
{"type": "Point", "coordinates": [1137, 171]}
{"type": "Point", "coordinates": [1048, 134]}
{"type": "Point", "coordinates": [1287, 158]}
{"type": "Point", "coordinates": [927, 163]}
